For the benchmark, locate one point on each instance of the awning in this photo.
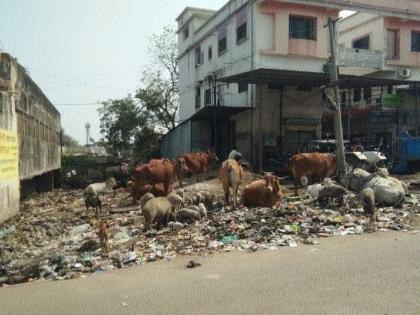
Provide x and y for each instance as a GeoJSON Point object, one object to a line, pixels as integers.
{"type": "Point", "coordinates": [211, 112]}
{"type": "Point", "coordinates": [307, 79]}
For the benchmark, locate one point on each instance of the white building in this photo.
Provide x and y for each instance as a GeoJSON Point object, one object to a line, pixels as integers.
{"type": "Point", "coordinates": [250, 75]}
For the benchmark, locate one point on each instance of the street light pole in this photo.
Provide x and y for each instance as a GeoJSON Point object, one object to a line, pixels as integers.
{"type": "Point", "coordinates": [341, 169]}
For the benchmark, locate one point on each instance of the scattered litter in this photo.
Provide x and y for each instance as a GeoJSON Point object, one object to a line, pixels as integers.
{"type": "Point", "coordinates": [6, 231]}
{"type": "Point", "coordinates": [54, 237]}
{"type": "Point", "coordinates": [229, 238]}
{"type": "Point", "coordinates": [192, 264]}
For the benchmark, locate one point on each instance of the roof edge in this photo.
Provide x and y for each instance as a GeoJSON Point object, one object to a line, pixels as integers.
{"type": "Point", "coordinates": [198, 10]}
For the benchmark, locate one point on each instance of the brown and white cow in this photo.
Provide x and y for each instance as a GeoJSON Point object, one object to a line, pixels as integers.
{"type": "Point", "coordinates": [231, 175]}
{"type": "Point", "coordinates": [321, 165]}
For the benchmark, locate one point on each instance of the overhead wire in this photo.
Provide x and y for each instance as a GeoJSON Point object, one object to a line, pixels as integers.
{"type": "Point", "coordinates": [78, 104]}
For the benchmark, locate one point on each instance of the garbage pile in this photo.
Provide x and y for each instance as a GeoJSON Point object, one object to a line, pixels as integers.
{"type": "Point", "coordinates": [54, 237]}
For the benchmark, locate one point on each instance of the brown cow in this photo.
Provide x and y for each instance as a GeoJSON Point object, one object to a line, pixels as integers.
{"type": "Point", "coordinates": [158, 190]}
{"type": "Point", "coordinates": [156, 177]}
{"type": "Point", "coordinates": [321, 165]}
{"type": "Point", "coordinates": [231, 175]}
{"type": "Point", "coordinates": [155, 172]}
{"type": "Point", "coordinates": [263, 192]}
{"type": "Point", "coordinates": [198, 162]}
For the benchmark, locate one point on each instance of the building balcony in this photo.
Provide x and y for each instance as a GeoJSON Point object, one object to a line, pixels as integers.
{"type": "Point", "coordinates": [411, 61]}
{"type": "Point", "coordinates": [362, 58]}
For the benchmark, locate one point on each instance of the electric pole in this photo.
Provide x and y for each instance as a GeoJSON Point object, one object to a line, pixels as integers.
{"type": "Point", "coordinates": [416, 110]}
{"type": "Point", "coordinates": [338, 128]}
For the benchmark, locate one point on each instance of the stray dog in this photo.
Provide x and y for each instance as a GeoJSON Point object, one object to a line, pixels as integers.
{"type": "Point", "coordinates": [93, 201]}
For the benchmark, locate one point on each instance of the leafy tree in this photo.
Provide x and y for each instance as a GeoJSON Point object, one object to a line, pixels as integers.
{"type": "Point", "coordinates": [137, 123]}
{"type": "Point", "coordinates": [159, 93]}
{"type": "Point", "coordinates": [119, 122]}
{"type": "Point", "coordinates": [146, 144]}
{"type": "Point", "coordinates": [69, 141]}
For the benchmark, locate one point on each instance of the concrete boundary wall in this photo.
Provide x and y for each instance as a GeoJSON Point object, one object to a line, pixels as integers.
{"type": "Point", "coordinates": [30, 129]}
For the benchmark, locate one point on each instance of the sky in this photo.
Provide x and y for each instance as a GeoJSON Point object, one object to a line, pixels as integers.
{"type": "Point", "coordinates": [81, 52]}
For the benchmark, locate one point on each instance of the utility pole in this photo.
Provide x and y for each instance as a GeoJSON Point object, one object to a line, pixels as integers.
{"type": "Point", "coordinates": [260, 132]}
{"type": "Point", "coordinates": [341, 164]}
{"type": "Point", "coordinates": [349, 114]}
{"type": "Point", "coordinates": [416, 111]}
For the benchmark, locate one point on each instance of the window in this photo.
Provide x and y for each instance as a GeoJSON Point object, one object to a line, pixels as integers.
{"type": "Point", "coordinates": [186, 32]}
{"type": "Point", "coordinates": [343, 98]}
{"type": "Point", "coordinates": [393, 44]}
{"type": "Point", "coordinates": [415, 41]}
{"type": "Point", "coordinates": [215, 100]}
{"type": "Point", "coordinates": [220, 94]}
{"type": "Point", "coordinates": [222, 40]}
{"type": "Point", "coordinates": [357, 95]}
{"type": "Point", "coordinates": [367, 95]}
{"type": "Point", "coordinates": [241, 30]}
{"type": "Point", "coordinates": [197, 97]}
{"type": "Point", "coordinates": [210, 53]}
{"type": "Point", "coordinates": [302, 27]}
{"type": "Point", "coordinates": [273, 86]}
{"type": "Point", "coordinates": [362, 43]}
{"type": "Point", "coordinates": [207, 97]}
{"type": "Point", "coordinates": [198, 58]}
{"type": "Point", "coordinates": [242, 87]}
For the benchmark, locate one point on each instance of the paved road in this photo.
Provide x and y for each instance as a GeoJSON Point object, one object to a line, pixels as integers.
{"type": "Point", "coordinates": [371, 274]}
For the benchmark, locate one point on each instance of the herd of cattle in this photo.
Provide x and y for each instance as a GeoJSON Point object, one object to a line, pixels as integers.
{"type": "Point", "coordinates": [152, 183]}
{"type": "Point", "coordinates": [158, 176]}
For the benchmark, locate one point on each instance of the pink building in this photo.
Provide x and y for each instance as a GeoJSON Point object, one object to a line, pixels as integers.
{"type": "Point", "coordinates": [398, 40]}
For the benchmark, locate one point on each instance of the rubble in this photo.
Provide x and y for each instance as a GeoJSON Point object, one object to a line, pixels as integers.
{"type": "Point", "coordinates": [54, 237]}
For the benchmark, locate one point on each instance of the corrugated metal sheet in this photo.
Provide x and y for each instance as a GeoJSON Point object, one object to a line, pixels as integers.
{"type": "Point", "coordinates": [177, 141]}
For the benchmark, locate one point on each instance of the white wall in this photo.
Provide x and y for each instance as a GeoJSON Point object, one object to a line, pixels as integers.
{"type": "Point", "coordinates": [236, 59]}
{"type": "Point", "coordinates": [239, 57]}
{"type": "Point", "coordinates": [360, 25]}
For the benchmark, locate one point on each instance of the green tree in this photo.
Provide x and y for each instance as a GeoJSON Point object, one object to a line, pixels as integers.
{"type": "Point", "coordinates": [137, 123]}
{"type": "Point", "coordinates": [160, 90]}
{"type": "Point", "coordinates": [146, 145]}
{"type": "Point", "coordinates": [69, 141]}
{"type": "Point", "coordinates": [119, 122]}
